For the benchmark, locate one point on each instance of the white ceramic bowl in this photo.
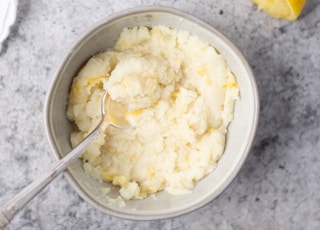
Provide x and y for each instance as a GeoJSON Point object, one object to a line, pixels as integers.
{"type": "Point", "coordinates": [240, 136]}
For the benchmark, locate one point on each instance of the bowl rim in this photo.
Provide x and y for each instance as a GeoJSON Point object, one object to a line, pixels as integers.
{"type": "Point", "coordinates": [201, 23]}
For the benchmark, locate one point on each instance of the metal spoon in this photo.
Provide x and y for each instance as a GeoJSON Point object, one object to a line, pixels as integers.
{"type": "Point", "coordinates": [112, 113]}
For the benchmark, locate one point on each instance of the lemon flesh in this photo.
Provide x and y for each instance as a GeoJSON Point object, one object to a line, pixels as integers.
{"type": "Point", "coordinates": [284, 9]}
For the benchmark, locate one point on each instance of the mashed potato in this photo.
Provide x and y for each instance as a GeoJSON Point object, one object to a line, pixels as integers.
{"type": "Point", "coordinates": [180, 94]}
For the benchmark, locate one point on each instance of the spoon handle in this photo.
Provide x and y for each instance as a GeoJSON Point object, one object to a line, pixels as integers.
{"type": "Point", "coordinates": [11, 207]}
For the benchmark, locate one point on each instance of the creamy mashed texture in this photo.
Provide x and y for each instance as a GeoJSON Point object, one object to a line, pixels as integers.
{"type": "Point", "coordinates": [180, 94]}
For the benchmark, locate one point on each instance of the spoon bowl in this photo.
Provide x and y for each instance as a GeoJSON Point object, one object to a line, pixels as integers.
{"type": "Point", "coordinates": [117, 118]}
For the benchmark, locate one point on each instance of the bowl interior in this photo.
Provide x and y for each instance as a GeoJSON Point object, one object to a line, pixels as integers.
{"type": "Point", "coordinates": [240, 135]}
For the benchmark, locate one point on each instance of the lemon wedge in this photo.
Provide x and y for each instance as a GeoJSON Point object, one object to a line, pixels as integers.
{"type": "Point", "coordinates": [285, 9]}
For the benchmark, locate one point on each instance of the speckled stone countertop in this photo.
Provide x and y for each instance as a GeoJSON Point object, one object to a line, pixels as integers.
{"type": "Point", "coordinates": [278, 186]}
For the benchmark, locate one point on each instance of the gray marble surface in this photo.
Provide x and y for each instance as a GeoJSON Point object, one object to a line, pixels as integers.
{"type": "Point", "coordinates": [278, 186]}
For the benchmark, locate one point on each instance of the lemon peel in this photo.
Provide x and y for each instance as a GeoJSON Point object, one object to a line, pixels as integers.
{"type": "Point", "coordinates": [284, 9]}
